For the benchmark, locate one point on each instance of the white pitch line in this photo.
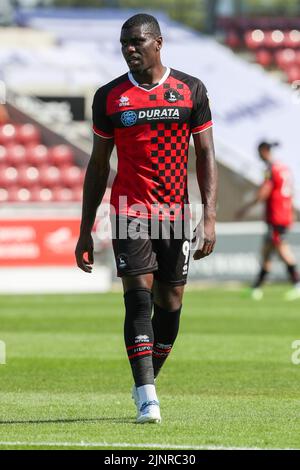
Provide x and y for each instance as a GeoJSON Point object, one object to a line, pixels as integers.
{"type": "Point", "coordinates": [127, 444]}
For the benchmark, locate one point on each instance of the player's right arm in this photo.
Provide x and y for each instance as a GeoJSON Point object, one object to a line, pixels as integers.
{"type": "Point", "coordinates": [93, 191]}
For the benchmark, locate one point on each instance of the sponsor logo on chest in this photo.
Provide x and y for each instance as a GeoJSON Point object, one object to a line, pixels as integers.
{"type": "Point", "coordinates": [129, 118]}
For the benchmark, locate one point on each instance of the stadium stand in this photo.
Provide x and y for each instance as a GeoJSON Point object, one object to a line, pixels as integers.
{"type": "Point", "coordinates": [30, 171]}
{"type": "Point", "coordinates": [274, 42]}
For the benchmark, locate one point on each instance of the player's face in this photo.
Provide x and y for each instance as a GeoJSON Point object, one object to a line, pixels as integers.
{"type": "Point", "coordinates": [265, 154]}
{"type": "Point", "coordinates": [139, 48]}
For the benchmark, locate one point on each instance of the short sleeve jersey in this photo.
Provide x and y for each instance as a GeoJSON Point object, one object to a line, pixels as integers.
{"type": "Point", "coordinates": [151, 127]}
{"type": "Point", "coordinates": [279, 207]}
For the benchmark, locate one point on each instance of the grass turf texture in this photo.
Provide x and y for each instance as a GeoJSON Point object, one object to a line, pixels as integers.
{"type": "Point", "coordinates": [229, 381]}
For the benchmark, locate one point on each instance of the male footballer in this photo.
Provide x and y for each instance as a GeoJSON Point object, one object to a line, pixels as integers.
{"type": "Point", "coordinates": [149, 113]}
{"type": "Point", "coordinates": [276, 193]}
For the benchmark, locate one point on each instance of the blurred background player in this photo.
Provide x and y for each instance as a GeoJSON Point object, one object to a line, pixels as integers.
{"type": "Point", "coordinates": [153, 153]}
{"type": "Point", "coordinates": [277, 194]}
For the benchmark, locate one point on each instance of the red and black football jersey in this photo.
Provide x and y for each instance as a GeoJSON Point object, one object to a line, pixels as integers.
{"type": "Point", "coordinates": [279, 205]}
{"type": "Point", "coordinates": [151, 127]}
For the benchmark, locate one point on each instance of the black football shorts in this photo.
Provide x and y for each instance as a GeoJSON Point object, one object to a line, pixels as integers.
{"type": "Point", "coordinates": [276, 233]}
{"type": "Point", "coordinates": [143, 246]}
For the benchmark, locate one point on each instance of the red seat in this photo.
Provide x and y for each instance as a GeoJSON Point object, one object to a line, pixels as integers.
{"type": "Point", "coordinates": [50, 176]}
{"type": "Point", "coordinates": [16, 154]}
{"type": "Point", "coordinates": [8, 176]}
{"type": "Point", "coordinates": [23, 195]}
{"type": "Point", "coordinates": [274, 39]}
{"type": "Point", "coordinates": [285, 58]}
{"type": "Point", "coordinates": [28, 176]}
{"type": "Point", "coordinates": [72, 176]}
{"type": "Point", "coordinates": [62, 194]}
{"type": "Point", "coordinates": [28, 134]}
{"type": "Point", "coordinates": [254, 39]}
{"type": "Point", "coordinates": [292, 39]}
{"type": "Point", "coordinates": [293, 73]}
{"type": "Point", "coordinates": [37, 155]}
{"type": "Point", "coordinates": [61, 155]}
{"type": "Point", "coordinates": [7, 134]}
{"type": "Point", "coordinates": [39, 194]}
{"type": "Point", "coordinates": [16, 194]}
{"type": "Point", "coordinates": [264, 57]}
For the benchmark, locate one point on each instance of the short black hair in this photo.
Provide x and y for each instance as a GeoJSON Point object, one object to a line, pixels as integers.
{"type": "Point", "coordinates": [143, 19]}
{"type": "Point", "coordinates": [267, 145]}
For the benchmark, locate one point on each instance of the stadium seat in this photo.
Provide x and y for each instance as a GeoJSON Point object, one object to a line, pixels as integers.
{"type": "Point", "coordinates": [254, 39]}
{"type": "Point", "coordinates": [50, 176]}
{"type": "Point", "coordinates": [28, 134]}
{"type": "Point", "coordinates": [61, 155]}
{"type": "Point", "coordinates": [16, 154]}
{"type": "Point", "coordinates": [72, 176]}
{"type": "Point", "coordinates": [37, 155]}
{"type": "Point", "coordinates": [285, 58]}
{"type": "Point", "coordinates": [28, 176]}
{"type": "Point", "coordinates": [292, 39]}
{"type": "Point", "coordinates": [7, 134]}
{"type": "Point", "coordinates": [8, 177]}
{"type": "Point", "coordinates": [293, 73]}
{"type": "Point", "coordinates": [62, 194]}
{"type": "Point", "coordinates": [39, 194]}
{"type": "Point", "coordinates": [274, 39]}
{"type": "Point", "coordinates": [23, 195]}
{"type": "Point", "coordinates": [264, 57]}
{"type": "Point", "coordinates": [17, 194]}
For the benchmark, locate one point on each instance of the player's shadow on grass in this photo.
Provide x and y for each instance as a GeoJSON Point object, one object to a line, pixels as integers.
{"type": "Point", "coordinates": [125, 420]}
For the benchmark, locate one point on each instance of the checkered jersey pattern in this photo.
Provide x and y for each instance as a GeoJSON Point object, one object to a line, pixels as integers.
{"type": "Point", "coordinates": [169, 154]}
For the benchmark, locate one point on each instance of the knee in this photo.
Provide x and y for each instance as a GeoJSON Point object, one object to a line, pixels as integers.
{"type": "Point", "coordinates": [170, 299]}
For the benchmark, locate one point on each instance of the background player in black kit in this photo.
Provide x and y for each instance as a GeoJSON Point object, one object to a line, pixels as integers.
{"type": "Point", "coordinates": [149, 115]}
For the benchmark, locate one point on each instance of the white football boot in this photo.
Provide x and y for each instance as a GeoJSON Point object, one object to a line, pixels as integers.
{"type": "Point", "coordinates": [293, 294]}
{"type": "Point", "coordinates": [149, 413]}
{"type": "Point", "coordinates": [147, 404]}
{"type": "Point", "coordinates": [257, 294]}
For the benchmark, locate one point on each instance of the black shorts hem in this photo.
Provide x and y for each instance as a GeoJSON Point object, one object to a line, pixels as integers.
{"type": "Point", "coordinates": [180, 282]}
{"type": "Point", "coordinates": [134, 272]}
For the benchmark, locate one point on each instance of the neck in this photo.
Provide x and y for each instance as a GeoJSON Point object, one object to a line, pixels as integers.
{"type": "Point", "coordinates": [151, 75]}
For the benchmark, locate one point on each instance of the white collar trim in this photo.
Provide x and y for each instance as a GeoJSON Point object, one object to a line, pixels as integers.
{"type": "Point", "coordinates": [162, 80]}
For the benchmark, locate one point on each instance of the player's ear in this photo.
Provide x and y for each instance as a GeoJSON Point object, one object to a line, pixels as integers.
{"type": "Point", "coordinates": [159, 43]}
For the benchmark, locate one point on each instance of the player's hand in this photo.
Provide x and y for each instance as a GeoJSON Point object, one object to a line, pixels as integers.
{"type": "Point", "coordinates": [85, 246]}
{"type": "Point", "coordinates": [209, 241]}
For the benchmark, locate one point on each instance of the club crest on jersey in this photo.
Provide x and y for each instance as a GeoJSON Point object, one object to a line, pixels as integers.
{"type": "Point", "coordinates": [128, 118]}
{"type": "Point", "coordinates": [171, 95]}
{"type": "Point", "coordinates": [124, 101]}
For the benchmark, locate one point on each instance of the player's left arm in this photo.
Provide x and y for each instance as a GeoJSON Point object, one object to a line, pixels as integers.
{"type": "Point", "coordinates": [262, 194]}
{"type": "Point", "coordinates": [207, 177]}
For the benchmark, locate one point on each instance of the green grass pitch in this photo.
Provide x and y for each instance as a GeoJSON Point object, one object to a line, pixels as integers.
{"type": "Point", "coordinates": [229, 382]}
